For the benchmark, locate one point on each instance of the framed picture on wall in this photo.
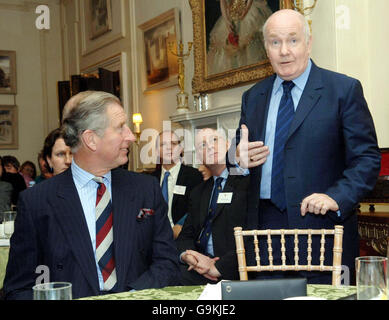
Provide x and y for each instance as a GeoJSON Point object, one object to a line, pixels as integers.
{"type": "Point", "coordinates": [160, 67]}
{"type": "Point", "coordinates": [7, 71]}
{"type": "Point", "coordinates": [100, 17]}
{"type": "Point", "coordinates": [8, 127]}
{"type": "Point", "coordinates": [102, 22]}
{"type": "Point", "coordinates": [228, 43]}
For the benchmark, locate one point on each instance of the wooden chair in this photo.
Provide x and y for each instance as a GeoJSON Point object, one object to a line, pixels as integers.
{"type": "Point", "coordinates": [337, 251]}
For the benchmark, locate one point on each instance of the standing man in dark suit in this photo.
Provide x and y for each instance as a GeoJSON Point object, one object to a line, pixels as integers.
{"type": "Point", "coordinates": [206, 243]}
{"type": "Point", "coordinates": [308, 139]}
{"type": "Point", "coordinates": [176, 179]}
{"type": "Point", "coordinates": [72, 225]}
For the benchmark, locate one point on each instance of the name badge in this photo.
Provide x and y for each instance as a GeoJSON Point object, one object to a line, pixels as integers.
{"type": "Point", "coordinates": [179, 190]}
{"type": "Point", "coordinates": [224, 197]}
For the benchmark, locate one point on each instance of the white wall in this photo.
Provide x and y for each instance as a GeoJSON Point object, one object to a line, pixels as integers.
{"type": "Point", "coordinates": [39, 67]}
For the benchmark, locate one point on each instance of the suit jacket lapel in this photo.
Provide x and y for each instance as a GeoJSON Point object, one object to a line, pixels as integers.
{"type": "Point", "coordinates": [70, 216]}
{"type": "Point", "coordinates": [205, 200]}
{"type": "Point", "coordinates": [308, 100]}
{"type": "Point", "coordinates": [263, 109]}
{"type": "Point", "coordinates": [180, 178]}
{"type": "Point", "coordinates": [124, 217]}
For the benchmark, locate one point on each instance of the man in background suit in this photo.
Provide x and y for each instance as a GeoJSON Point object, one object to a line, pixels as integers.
{"type": "Point", "coordinates": [309, 141]}
{"type": "Point", "coordinates": [71, 224]}
{"type": "Point", "coordinates": [180, 179]}
{"type": "Point", "coordinates": [206, 243]}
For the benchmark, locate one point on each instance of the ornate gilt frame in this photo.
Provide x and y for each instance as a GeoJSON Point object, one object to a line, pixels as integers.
{"type": "Point", "coordinates": [228, 79]}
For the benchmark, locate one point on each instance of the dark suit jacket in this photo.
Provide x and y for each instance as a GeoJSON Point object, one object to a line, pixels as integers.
{"type": "Point", "coordinates": [227, 217]}
{"type": "Point", "coordinates": [51, 230]}
{"type": "Point", "coordinates": [331, 148]}
{"type": "Point", "coordinates": [189, 177]}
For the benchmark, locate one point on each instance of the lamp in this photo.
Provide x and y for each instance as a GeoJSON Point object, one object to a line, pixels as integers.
{"type": "Point", "coordinates": [137, 120]}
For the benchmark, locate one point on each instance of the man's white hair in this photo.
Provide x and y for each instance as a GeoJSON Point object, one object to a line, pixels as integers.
{"type": "Point", "coordinates": [306, 28]}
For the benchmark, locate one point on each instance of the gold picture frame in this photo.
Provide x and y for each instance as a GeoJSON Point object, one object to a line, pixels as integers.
{"type": "Point", "coordinates": [160, 66]}
{"type": "Point", "coordinates": [8, 127]}
{"type": "Point", "coordinates": [210, 44]}
{"type": "Point", "coordinates": [7, 72]}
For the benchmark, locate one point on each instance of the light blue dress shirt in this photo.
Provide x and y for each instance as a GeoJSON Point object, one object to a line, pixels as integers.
{"type": "Point", "coordinates": [224, 175]}
{"type": "Point", "coordinates": [275, 100]}
{"type": "Point", "coordinates": [87, 191]}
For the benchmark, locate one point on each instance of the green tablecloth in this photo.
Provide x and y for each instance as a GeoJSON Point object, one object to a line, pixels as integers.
{"type": "Point", "coordinates": [193, 293]}
{"type": "Point", "coordinates": [3, 263]}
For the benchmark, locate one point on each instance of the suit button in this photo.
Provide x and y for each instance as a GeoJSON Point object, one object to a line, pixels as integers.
{"type": "Point", "coordinates": [59, 266]}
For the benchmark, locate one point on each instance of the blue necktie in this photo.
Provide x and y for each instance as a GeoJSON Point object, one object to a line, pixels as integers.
{"type": "Point", "coordinates": [165, 187]}
{"type": "Point", "coordinates": [284, 119]}
{"type": "Point", "coordinates": [202, 242]}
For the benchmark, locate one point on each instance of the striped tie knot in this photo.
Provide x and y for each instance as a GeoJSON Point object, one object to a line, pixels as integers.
{"type": "Point", "coordinates": [288, 86]}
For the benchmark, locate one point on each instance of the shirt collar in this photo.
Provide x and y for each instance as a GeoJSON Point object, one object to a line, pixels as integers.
{"type": "Point", "coordinates": [82, 177]}
{"type": "Point", "coordinates": [299, 82]}
{"type": "Point", "coordinates": [173, 171]}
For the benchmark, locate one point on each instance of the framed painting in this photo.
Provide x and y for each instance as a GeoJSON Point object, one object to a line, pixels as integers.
{"type": "Point", "coordinates": [228, 43]}
{"type": "Point", "coordinates": [100, 17]}
{"type": "Point", "coordinates": [101, 22]}
{"type": "Point", "coordinates": [160, 67]}
{"type": "Point", "coordinates": [7, 71]}
{"type": "Point", "coordinates": [8, 127]}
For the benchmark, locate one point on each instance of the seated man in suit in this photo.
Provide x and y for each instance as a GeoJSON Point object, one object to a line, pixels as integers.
{"type": "Point", "coordinates": [176, 179]}
{"type": "Point", "coordinates": [71, 225]}
{"type": "Point", "coordinates": [206, 243]}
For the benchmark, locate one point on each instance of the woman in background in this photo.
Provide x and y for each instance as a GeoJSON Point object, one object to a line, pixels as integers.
{"type": "Point", "coordinates": [28, 172]}
{"type": "Point", "coordinates": [56, 153]}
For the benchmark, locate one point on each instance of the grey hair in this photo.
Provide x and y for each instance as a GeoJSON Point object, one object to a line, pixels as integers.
{"type": "Point", "coordinates": [306, 28]}
{"type": "Point", "coordinates": [88, 114]}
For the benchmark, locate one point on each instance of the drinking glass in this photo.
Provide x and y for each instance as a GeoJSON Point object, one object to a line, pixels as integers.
{"type": "Point", "coordinates": [53, 291]}
{"type": "Point", "coordinates": [371, 278]}
{"type": "Point", "coordinates": [8, 223]}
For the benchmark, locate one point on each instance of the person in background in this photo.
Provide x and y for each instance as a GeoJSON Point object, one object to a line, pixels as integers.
{"type": "Point", "coordinates": [28, 172]}
{"type": "Point", "coordinates": [11, 164]}
{"type": "Point", "coordinates": [308, 139]}
{"type": "Point", "coordinates": [45, 173]}
{"type": "Point", "coordinates": [104, 230]}
{"type": "Point", "coordinates": [206, 243]}
{"type": "Point", "coordinates": [11, 175]}
{"type": "Point", "coordinates": [5, 191]}
{"type": "Point", "coordinates": [176, 179]}
{"type": "Point", "coordinates": [56, 153]}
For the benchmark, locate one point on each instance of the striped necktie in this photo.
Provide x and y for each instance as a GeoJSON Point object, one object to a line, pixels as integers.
{"type": "Point", "coordinates": [284, 119]}
{"type": "Point", "coordinates": [104, 235]}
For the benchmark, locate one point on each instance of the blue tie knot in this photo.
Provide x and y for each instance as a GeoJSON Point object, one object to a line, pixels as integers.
{"type": "Point", "coordinates": [167, 173]}
{"type": "Point", "coordinates": [288, 86]}
{"type": "Point", "coordinates": [218, 183]}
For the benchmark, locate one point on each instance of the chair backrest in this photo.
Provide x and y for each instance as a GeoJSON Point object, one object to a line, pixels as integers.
{"type": "Point", "coordinates": [336, 267]}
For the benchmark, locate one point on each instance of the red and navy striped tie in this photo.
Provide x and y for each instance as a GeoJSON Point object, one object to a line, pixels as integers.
{"type": "Point", "coordinates": [104, 235]}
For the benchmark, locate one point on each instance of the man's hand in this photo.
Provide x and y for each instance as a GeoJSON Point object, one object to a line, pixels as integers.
{"type": "Point", "coordinates": [202, 264]}
{"type": "Point", "coordinates": [250, 154]}
{"type": "Point", "coordinates": [318, 203]}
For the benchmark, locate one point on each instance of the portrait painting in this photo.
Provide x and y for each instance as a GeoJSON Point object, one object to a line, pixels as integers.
{"type": "Point", "coordinates": [8, 127]}
{"type": "Point", "coordinates": [229, 45]}
{"type": "Point", "coordinates": [7, 71]}
{"type": "Point", "coordinates": [100, 17]}
{"type": "Point", "coordinates": [160, 36]}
